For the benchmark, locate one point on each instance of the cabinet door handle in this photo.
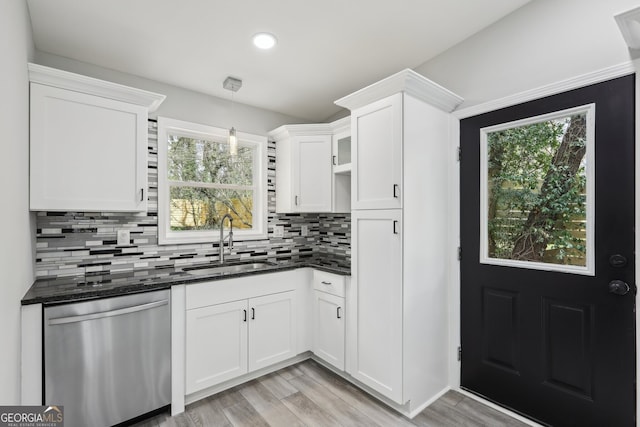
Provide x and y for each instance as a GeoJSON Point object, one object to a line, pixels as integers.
{"type": "Point", "coordinates": [296, 201]}
{"type": "Point", "coordinates": [333, 160]}
{"type": "Point", "coordinates": [395, 191]}
{"type": "Point", "coordinates": [395, 227]}
{"type": "Point", "coordinates": [245, 315]}
{"type": "Point", "coordinates": [325, 283]}
{"type": "Point", "coordinates": [338, 312]}
{"type": "Point", "coordinates": [142, 194]}
{"type": "Point", "coordinates": [253, 313]}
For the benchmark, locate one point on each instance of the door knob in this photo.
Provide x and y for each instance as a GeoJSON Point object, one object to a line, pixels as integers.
{"type": "Point", "coordinates": [618, 287]}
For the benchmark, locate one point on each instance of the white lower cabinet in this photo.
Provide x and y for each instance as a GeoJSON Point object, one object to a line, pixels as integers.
{"type": "Point", "coordinates": [329, 318]}
{"type": "Point", "coordinates": [216, 344]}
{"type": "Point", "coordinates": [328, 336]}
{"type": "Point", "coordinates": [272, 335]}
{"type": "Point", "coordinates": [225, 341]}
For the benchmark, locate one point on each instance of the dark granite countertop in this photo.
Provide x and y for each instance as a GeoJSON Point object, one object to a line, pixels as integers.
{"type": "Point", "coordinates": [95, 286]}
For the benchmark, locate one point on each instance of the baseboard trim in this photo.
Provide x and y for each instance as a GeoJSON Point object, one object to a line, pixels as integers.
{"type": "Point", "coordinates": [498, 408]}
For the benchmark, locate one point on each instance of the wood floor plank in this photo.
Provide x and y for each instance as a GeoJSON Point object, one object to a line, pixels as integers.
{"type": "Point", "coordinates": [290, 372]}
{"type": "Point", "coordinates": [274, 412]}
{"type": "Point", "coordinates": [452, 413]}
{"type": "Point", "coordinates": [355, 397]}
{"type": "Point", "coordinates": [452, 397]}
{"type": "Point", "coordinates": [180, 420]}
{"type": "Point", "coordinates": [329, 402]}
{"type": "Point", "coordinates": [243, 414]}
{"type": "Point", "coordinates": [228, 397]}
{"type": "Point", "coordinates": [208, 412]}
{"type": "Point", "coordinates": [430, 418]}
{"type": "Point", "coordinates": [277, 385]}
{"type": "Point", "coordinates": [484, 413]}
{"type": "Point", "coordinates": [310, 413]}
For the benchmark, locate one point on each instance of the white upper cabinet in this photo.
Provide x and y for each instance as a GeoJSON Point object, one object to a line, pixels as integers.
{"type": "Point", "coordinates": [341, 158]}
{"type": "Point", "coordinates": [377, 154]}
{"type": "Point", "coordinates": [341, 164]}
{"type": "Point", "coordinates": [88, 143]}
{"type": "Point", "coordinates": [303, 168]}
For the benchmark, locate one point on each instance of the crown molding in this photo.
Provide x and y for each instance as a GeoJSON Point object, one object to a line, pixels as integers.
{"type": "Point", "coordinates": [79, 83]}
{"type": "Point", "coordinates": [407, 81]}
{"type": "Point", "coordinates": [341, 124]}
{"type": "Point", "coordinates": [287, 131]}
{"type": "Point", "coordinates": [629, 24]}
{"type": "Point", "coordinates": [587, 79]}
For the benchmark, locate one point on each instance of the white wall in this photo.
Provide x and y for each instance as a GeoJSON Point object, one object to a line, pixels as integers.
{"type": "Point", "coordinates": [18, 235]}
{"type": "Point", "coordinates": [544, 42]}
{"type": "Point", "coordinates": [182, 104]}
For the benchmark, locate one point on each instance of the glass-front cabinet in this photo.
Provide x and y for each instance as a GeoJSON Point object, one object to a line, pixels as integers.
{"type": "Point", "coordinates": [341, 159]}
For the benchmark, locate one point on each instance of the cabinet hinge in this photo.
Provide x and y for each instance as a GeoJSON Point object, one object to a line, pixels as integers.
{"type": "Point", "coordinates": [459, 354]}
{"type": "Point", "coordinates": [459, 153]}
{"type": "Point", "coordinates": [459, 253]}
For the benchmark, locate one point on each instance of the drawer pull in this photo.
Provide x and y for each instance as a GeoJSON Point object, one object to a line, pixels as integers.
{"type": "Point", "coordinates": [325, 283]}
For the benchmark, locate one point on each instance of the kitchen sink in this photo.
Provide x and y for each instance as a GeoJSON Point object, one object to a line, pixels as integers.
{"type": "Point", "coordinates": [208, 270]}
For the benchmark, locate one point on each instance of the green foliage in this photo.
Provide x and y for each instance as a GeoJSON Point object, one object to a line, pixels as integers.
{"type": "Point", "coordinates": [552, 219]}
{"type": "Point", "coordinates": [206, 170]}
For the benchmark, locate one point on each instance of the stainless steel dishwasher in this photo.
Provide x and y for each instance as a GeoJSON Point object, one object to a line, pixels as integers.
{"type": "Point", "coordinates": [108, 360]}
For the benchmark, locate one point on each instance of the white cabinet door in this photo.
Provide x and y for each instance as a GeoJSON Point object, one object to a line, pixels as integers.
{"type": "Point", "coordinates": [329, 328]}
{"type": "Point", "coordinates": [88, 153]}
{"type": "Point", "coordinates": [216, 348]}
{"type": "Point", "coordinates": [377, 271]}
{"type": "Point", "coordinates": [377, 155]}
{"type": "Point", "coordinates": [272, 329]}
{"type": "Point", "coordinates": [312, 173]}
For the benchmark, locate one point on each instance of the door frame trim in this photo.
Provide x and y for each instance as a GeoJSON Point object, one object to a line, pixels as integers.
{"type": "Point", "coordinates": [608, 73]}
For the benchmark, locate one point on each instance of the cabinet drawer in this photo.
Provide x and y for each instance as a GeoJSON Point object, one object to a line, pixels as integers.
{"type": "Point", "coordinates": [328, 282]}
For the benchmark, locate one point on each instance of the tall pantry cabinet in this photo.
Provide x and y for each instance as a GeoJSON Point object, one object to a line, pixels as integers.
{"type": "Point", "coordinates": [401, 152]}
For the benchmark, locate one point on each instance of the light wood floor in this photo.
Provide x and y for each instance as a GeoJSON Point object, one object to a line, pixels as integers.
{"type": "Point", "coordinates": [307, 394]}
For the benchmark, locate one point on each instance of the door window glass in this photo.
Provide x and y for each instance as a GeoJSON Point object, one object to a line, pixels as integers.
{"type": "Point", "coordinates": [537, 192]}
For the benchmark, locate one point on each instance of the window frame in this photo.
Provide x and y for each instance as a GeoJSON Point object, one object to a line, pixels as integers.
{"type": "Point", "coordinates": [166, 236]}
{"type": "Point", "coordinates": [587, 270]}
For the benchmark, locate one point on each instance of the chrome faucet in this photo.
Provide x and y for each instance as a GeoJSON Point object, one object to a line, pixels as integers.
{"type": "Point", "coordinates": [222, 238]}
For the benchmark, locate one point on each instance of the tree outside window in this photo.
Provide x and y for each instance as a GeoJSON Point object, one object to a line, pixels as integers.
{"type": "Point", "coordinates": [200, 182]}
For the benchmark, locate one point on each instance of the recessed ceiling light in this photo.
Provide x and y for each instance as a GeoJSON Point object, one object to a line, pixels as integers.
{"type": "Point", "coordinates": [264, 40]}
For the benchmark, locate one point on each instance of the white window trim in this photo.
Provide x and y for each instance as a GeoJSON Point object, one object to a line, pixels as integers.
{"type": "Point", "coordinates": [168, 126]}
{"type": "Point", "coordinates": [589, 268]}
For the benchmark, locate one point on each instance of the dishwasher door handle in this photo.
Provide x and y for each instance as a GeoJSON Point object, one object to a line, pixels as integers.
{"type": "Point", "coordinates": [111, 313]}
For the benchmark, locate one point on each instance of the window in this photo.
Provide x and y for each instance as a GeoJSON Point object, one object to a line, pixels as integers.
{"type": "Point", "coordinates": [199, 182]}
{"type": "Point", "coordinates": [537, 192]}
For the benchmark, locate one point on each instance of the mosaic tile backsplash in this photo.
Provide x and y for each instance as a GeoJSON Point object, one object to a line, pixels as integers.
{"type": "Point", "coordinates": [72, 243]}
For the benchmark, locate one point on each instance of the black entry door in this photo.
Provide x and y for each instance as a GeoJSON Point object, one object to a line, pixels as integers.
{"type": "Point", "coordinates": [547, 235]}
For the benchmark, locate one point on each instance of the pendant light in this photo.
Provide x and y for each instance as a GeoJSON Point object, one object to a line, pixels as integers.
{"type": "Point", "coordinates": [232, 84]}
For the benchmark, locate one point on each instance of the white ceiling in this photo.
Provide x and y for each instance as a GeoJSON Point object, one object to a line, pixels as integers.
{"type": "Point", "coordinates": [326, 48]}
